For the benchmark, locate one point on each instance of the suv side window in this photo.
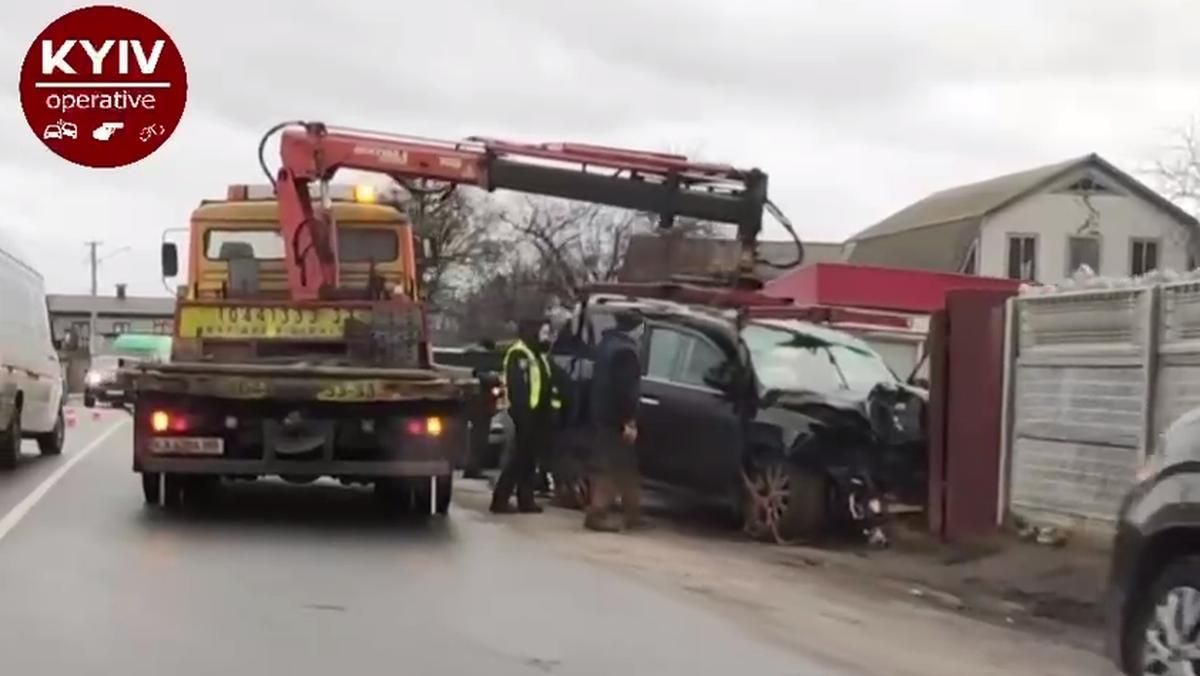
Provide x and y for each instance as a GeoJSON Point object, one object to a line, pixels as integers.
{"type": "Point", "coordinates": [666, 347]}
{"type": "Point", "coordinates": [702, 359]}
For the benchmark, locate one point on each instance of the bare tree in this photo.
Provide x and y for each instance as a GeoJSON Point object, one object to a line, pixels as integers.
{"type": "Point", "coordinates": [462, 236]}
{"type": "Point", "coordinates": [1179, 171]}
{"type": "Point", "coordinates": [1178, 177]}
{"type": "Point", "coordinates": [578, 244]}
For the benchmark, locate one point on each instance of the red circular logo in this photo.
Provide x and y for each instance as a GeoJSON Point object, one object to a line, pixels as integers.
{"type": "Point", "coordinates": [103, 86]}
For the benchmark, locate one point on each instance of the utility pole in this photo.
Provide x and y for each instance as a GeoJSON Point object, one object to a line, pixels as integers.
{"type": "Point", "coordinates": [92, 246]}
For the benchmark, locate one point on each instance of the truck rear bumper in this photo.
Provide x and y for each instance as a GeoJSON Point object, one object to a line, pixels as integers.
{"type": "Point", "coordinates": [351, 469]}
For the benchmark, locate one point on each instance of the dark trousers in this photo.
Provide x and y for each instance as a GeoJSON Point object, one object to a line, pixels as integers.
{"type": "Point", "coordinates": [614, 476]}
{"type": "Point", "coordinates": [532, 441]}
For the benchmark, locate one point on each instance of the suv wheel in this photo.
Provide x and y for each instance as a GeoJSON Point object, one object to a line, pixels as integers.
{"type": "Point", "coordinates": [1162, 636]}
{"type": "Point", "coordinates": [784, 502]}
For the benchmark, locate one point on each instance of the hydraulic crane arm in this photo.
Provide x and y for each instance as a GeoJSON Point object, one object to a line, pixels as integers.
{"type": "Point", "coordinates": [668, 185]}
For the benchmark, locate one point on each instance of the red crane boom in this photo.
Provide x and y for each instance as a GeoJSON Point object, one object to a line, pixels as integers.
{"type": "Point", "coordinates": [665, 184]}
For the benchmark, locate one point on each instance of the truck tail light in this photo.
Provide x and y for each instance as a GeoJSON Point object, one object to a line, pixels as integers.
{"type": "Point", "coordinates": [427, 427]}
{"type": "Point", "coordinates": [162, 421]}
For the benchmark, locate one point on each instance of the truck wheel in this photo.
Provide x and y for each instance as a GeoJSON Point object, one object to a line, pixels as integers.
{"type": "Point", "coordinates": [151, 488]}
{"type": "Point", "coordinates": [445, 490]}
{"type": "Point", "coordinates": [393, 495]}
{"type": "Point", "coordinates": [10, 442]}
{"type": "Point", "coordinates": [420, 494]}
{"type": "Point", "coordinates": [785, 502]}
{"type": "Point", "coordinates": [51, 443]}
{"type": "Point", "coordinates": [89, 400]}
{"type": "Point", "coordinates": [172, 491]}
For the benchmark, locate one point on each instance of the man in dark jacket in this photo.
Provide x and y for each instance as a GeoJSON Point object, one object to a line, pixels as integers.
{"type": "Point", "coordinates": [533, 404]}
{"type": "Point", "coordinates": [615, 391]}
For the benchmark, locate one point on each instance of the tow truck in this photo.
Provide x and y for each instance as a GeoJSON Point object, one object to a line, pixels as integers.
{"type": "Point", "coordinates": [300, 344]}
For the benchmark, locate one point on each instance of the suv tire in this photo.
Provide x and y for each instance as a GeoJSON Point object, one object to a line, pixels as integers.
{"type": "Point", "coordinates": [785, 502]}
{"type": "Point", "coordinates": [1181, 576]}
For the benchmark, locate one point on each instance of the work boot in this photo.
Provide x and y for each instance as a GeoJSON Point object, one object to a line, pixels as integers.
{"type": "Point", "coordinates": [630, 488]}
{"type": "Point", "coordinates": [501, 507]}
{"type": "Point", "coordinates": [601, 522]}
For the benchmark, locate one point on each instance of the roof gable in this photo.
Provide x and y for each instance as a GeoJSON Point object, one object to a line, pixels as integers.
{"type": "Point", "coordinates": [976, 200]}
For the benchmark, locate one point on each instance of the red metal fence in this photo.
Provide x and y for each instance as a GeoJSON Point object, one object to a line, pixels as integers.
{"type": "Point", "coordinates": [967, 372]}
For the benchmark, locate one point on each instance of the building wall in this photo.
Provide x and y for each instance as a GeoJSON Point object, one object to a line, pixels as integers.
{"type": "Point", "coordinates": [108, 327]}
{"type": "Point", "coordinates": [1054, 217]}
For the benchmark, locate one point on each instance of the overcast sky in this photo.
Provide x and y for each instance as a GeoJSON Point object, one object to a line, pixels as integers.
{"type": "Point", "coordinates": [854, 107]}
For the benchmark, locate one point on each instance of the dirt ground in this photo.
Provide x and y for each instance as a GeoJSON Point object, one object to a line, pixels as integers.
{"type": "Point", "coordinates": [919, 608]}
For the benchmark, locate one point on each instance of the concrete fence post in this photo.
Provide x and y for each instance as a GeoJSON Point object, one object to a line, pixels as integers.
{"type": "Point", "coordinates": [1150, 317]}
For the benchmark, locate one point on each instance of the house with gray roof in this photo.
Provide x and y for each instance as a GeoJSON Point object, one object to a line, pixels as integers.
{"type": "Point", "coordinates": [1041, 225]}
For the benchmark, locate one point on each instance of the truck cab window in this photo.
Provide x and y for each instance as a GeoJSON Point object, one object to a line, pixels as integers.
{"type": "Point", "coordinates": [362, 245]}
{"type": "Point", "coordinates": [263, 245]}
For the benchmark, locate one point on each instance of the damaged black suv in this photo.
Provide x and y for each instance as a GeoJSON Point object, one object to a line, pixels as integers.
{"type": "Point", "coordinates": [802, 428]}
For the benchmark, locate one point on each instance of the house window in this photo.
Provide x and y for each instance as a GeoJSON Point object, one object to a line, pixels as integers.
{"type": "Point", "coordinates": [1022, 257]}
{"type": "Point", "coordinates": [1083, 251]}
{"type": "Point", "coordinates": [1088, 186]}
{"type": "Point", "coordinates": [120, 327]}
{"type": "Point", "coordinates": [1143, 256]}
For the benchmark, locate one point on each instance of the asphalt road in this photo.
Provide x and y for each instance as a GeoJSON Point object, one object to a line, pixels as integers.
{"type": "Point", "coordinates": [278, 579]}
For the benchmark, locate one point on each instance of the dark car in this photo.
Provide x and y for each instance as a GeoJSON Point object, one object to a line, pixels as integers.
{"type": "Point", "coordinates": [102, 383]}
{"type": "Point", "coordinates": [1153, 600]}
{"type": "Point", "coordinates": [489, 434]}
{"type": "Point", "coordinates": [797, 425]}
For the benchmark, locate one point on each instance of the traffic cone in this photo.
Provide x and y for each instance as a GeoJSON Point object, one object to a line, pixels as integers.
{"type": "Point", "coordinates": [69, 415]}
{"type": "Point", "coordinates": [95, 415]}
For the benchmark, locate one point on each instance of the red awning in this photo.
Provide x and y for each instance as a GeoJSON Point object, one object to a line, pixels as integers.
{"type": "Point", "coordinates": [864, 286]}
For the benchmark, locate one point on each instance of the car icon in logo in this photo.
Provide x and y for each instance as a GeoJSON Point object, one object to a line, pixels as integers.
{"type": "Point", "coordinates": [52, 131]}
{"type": "Point", "coordinates": [69, 130]}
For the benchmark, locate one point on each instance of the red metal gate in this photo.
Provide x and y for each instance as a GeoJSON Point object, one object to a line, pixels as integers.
{"type": "Point", "coordinates": [966, 342]}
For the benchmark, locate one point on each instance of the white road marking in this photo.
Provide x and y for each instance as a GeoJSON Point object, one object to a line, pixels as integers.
{"type": "Point", "coordinates": [22, 508]}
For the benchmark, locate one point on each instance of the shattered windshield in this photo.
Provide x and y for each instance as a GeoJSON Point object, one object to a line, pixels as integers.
{"type": "Point", "coordinates": [796, 356]}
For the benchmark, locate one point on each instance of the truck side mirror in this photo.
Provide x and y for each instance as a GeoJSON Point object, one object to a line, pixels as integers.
{"type": "Point", "coordinates": [170, 260]}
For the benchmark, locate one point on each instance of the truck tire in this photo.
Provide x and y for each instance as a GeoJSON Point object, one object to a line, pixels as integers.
{"type": "Point", "coordinates": [10, 442]}
{"type": "Point", "coordinates": [89, 400]}
{"type": "Point", "coordinates": [420, 494]}
{"type": "Point", "coordinates": [173, 486]}
{"type": "Point", "coordinates": [393, 495]}
{"type": "Point", "coordinates": [151, 488]}
{"type": "Point", "coordinates": [51, 443]}
{"type": "Point", "coordinates": [445, 491]}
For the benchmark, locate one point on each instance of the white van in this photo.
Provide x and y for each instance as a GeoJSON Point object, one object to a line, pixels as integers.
{"type": "Point", "coordinates": [31, 377]}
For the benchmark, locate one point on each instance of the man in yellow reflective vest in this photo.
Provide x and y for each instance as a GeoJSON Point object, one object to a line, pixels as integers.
{"type": "Point", "coordinates": [533, 404]}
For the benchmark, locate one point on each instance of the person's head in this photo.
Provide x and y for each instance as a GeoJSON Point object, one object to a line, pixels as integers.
{"type": "Point", "coordinates": [529, 330]}
{"type": "Point", "coordinates": [629, 322]}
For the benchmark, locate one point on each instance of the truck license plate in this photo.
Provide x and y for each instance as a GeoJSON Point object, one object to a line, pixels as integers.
{"type": "Point", "coordinates": [187, 445]}
{"type": "Point", "coordinates": [241, 322]}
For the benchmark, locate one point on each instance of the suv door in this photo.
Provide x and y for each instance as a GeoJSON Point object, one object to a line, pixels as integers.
{"type": "Point", "coordinates": [662, 349]}
{"type": "Point", "coordinates": [695, 438]}
{"type": "Point", "coordinates": [707, 452]}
